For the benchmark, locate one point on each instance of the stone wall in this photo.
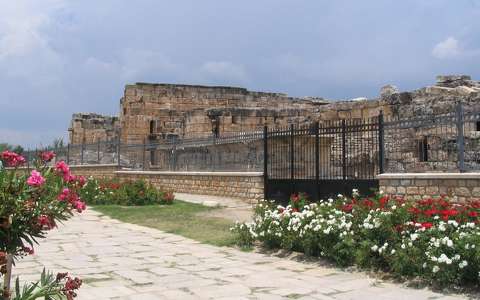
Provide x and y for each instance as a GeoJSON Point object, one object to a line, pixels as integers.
{"type": "Point", "coordinates": [153, 112]}
{"type": "Point", "coordinates": [160, 111]}
{"type": "Point", "coordinates": [460, 187]}
{"type": "Point", "coordinates": [90, 128]}
{"type": "Point", "coordinates": [97, 171]}
{"type": "Point", "coordinates": [244, 185]}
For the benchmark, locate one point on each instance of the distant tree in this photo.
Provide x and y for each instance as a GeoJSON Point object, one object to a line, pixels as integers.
{"type": "Point", "coordinates": [15, 148]}
{"type": "Point", "coordinates": [58, 143]}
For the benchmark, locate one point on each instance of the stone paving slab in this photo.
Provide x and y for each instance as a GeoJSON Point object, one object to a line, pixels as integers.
{"type": "Point", "coordinates": [129, 262]}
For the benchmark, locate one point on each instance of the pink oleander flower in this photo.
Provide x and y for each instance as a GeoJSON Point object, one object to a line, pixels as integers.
{"type": "Point", "coordinates": [36, 179]}
{"type": "Point", "coordinates": [46, 222]}
{"type": "Point", "coordinates": [47, 156]}
{"type": "Point", "coordinates": [64, 195]}
{"type": "Point", "coordinates": [80, 206]}
{"type": "Point", "coordinates": [12, 159]}
{"type": "Point", "coordinates": [64, 170]}
{"type": "Point", "coordinates": [81, 181]}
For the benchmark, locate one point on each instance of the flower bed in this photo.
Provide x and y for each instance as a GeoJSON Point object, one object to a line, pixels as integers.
{"type": "Point", "coordinates": [433, 239]}
{"type": "Point", "coordinates": [130, 193]}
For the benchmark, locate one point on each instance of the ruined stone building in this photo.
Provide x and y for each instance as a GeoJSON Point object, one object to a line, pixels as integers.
{"type": "Point", "coordinates": [156, 112]}
{"type": "Point", "coordinates": [159, 113]}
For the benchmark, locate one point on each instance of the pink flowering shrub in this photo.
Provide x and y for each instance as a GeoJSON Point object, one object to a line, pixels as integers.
{"type": "Point", "coordinates": [31, 205]}
{"type": "Point", "coordinates": [434, 239]}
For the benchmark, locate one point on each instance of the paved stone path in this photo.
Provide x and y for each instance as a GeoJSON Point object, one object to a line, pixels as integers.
{"type": "Point", "coordinates": [123, 261]}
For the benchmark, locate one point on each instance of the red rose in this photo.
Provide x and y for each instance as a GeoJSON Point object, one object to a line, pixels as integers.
{"type": "Point", "coordinates": [427, 225]}
{"type": "Point", "coordinates": [347, 208]}
{"type": "Point", "coordinates": [472, 214]}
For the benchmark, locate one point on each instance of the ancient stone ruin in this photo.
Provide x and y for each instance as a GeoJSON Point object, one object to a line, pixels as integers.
{"type": "Point", "coordinates": [157, 112]}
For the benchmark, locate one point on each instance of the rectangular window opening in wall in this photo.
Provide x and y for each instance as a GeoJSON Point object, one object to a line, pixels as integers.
{"type": "Point", "coordinates": [477, 126]}
{"type": "Point", "coordinates": [152, 158]}
{"type": "Point", "coordinates": [152, 126]}
{"type": "Point", "coordinates": [235, 119]}
{"type": "Point", "coordinates": [422, 149]}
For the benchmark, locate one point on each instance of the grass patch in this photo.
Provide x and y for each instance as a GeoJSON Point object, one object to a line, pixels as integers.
{"type": "Point", "coordinates": [180, 218]}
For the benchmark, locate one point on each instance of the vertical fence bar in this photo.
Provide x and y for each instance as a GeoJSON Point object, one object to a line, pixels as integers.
{"type": "Point", "coordinates": [460, 137]}
{"type": "Point", "coordinates": [98, 151]}
{"type": "Point", "coordinates": [317, 160]}
{"type": "Point", "coordinates": [174, 154]}
{"type": "Point", "coordinates": [265, 162]}
{"type": "Point", "coordinates": [144, 154]}
{"type": "Point", "coordinates": [381, 144]}
{"type": "Point", "coordinates": [68, 154]}
{"type": "Point", "coordinates": [292, 159]}
{"type": "Point", "coordinates": [28, 161]}
{"type": "Point", "coordinates": [118, 152]}
{"type": "Point", "coordinates": [344, 151]}
{"type": "Point", "coordinates": [81, 154]}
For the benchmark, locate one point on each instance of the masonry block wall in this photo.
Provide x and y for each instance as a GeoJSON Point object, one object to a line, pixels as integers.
{"type": "Point", "coordinates": [244, 185]}
{"type": "Point", "coordinates": [461, 187]}
{"type": "Point", "coordinates": [247, 186]}
{"type": "Point", "coordinates": [97, 171]}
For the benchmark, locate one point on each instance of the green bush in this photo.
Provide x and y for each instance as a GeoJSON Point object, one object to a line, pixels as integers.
{"type": "Point", "coordinates": [129, 193]}
{"type": "Point", "coordinates": [432, 239]}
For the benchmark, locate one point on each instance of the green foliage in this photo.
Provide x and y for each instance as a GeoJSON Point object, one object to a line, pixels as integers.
{"type": "Point", "coordinates": [30, 205]}
{"type": "Point", "coordinates": [14, 148]}
{"type": "Point", "coordinates": [130, 193]}
{"type": "Point", "coordinates": [432, 239]}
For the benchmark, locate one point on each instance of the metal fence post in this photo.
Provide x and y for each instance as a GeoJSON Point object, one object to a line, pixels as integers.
{"type": "Point", "coordinates": [344, 151]}
{"type": "Point", "coordinates": [292, 159]}
{"type": "Point", "coordinates": [174, 155]}
{"type": "Point", "coordinates": [144, 153]}
{"type": "Point", "coordinates": [28, 161]}
{"type": "Point", "coordinates": [98, 151]}
{"type": "Point", "coordinates": [68, 154]}
{"type": "Point", "coordinates": [118, 152]}
{"type": "Point", "coordinates": [381, 143]}
{"type": "Point", "coordinates": [265, 162]}
{"type": "Point", "coordinates": [317, 160]}
{"type": "Point", "coordinates": [81, 155]}
{"type": "Point", "coordinates": [460, 137]}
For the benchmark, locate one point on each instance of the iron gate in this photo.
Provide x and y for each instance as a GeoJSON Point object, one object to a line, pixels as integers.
{"type": "Point", "coordinates": [323, 159]}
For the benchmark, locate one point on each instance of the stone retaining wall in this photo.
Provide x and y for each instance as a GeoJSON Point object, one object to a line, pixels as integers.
{"type": "Point", "coordinates": [244, 185]}
{"type": "Point", "coordinates": [97, 171]}
{"type": "Point", "coordinates": [461, 187]}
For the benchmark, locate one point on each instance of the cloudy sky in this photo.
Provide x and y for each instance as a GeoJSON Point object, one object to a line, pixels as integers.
{"type": "Point", "coordinates": [58, 57]}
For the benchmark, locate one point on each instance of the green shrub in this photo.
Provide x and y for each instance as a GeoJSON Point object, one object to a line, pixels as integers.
{"type": "Point", "coordinates": [129, 193]}
{"type": "Point", "coordinates": [433, 239]}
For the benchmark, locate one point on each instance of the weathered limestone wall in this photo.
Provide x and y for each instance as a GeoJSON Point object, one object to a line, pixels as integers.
{"type": "Point", "coordinates": [244, 185]}
{"type": "Point", "coordinates": [162, 110]}
{"type": "Point", "coordinates": [97, 171]}
{"type": "Point", "coordinates": [91, 128]}
{"type": "Point", "coordinates": [462, 187]}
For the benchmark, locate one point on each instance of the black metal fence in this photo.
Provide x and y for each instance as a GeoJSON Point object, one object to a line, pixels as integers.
{"type": "Point", "coordinates": [233, 152]}
{"type": "Point", "coordinates": [433, 143]}
{"type": "Point", "coordinates": [323, 159]}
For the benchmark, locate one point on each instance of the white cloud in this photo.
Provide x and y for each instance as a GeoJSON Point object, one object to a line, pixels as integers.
{"type": "Point", "coordinates": [447, 49]}
{"type": "Point", "coordinates": [25, 50]}
{"type": "Point", "coordinates": [224, 70]}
